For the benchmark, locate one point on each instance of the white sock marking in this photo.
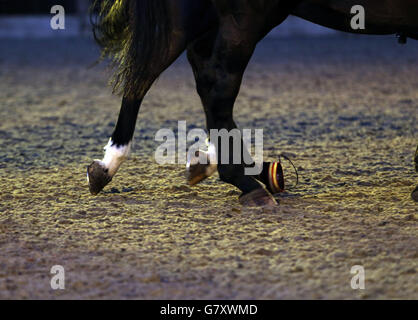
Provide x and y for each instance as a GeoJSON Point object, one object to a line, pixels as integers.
{"type": "Point", "coordinates": [114, 156]}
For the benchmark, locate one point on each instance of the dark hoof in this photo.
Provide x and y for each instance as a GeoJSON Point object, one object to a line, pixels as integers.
{"type": "Point", "coordinates": [258, 198]}
{"type": "Point", "coordinates": [414, 194]}
{"type": "Point", "coordinates": [98, 177]}
{"type": "Point", "coordinates": [197, 172]}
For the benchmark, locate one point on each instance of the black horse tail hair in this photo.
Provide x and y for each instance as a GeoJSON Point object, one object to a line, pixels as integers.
{"type": "Point", "coordinates": [135, 35]}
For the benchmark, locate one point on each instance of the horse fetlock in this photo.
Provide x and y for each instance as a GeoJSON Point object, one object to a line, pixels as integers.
{"type": "Point", "coordinates": [98, 177]}
{"type": "Point", "coordinates": [101, 172]}
{"type": "Point", "coordinates": [115, 155]}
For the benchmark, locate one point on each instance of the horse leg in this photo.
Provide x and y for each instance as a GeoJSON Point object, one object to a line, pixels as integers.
{"type": "Point", "coordinates": [219, 60]}
{"type": "Point", "coordinates": [101, 172]}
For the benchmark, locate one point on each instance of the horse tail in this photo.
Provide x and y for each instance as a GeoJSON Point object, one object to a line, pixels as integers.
{"type": "Point", "coordinates": [135, 35]}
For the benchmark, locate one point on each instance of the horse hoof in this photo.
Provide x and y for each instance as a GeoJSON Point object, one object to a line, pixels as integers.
{"type": "Point", "coordinates": [414, 194]}
{"type": "Point", "coordinates": [196, 171]}
{"type": "Point", "coordinates": [199, 172]}
{"type": "Point", "coordinates": [258, 198]}
{"type": "Point", "coordinates": [98, 177]}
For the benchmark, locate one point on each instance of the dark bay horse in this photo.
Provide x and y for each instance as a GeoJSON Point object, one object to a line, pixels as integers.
{"type": "Point", "coordinates": [144, 37]}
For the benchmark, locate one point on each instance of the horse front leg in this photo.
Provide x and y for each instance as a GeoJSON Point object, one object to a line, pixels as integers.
{"type": "Point", "coordinates": [219, 60]}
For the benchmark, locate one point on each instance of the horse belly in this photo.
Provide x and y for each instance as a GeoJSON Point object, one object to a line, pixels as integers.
{"type": "Point", "coordinates": [382, 16]}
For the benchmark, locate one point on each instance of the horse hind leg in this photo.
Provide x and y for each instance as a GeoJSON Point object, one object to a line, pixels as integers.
{"type": "Point", "coordinates": [101, 172]}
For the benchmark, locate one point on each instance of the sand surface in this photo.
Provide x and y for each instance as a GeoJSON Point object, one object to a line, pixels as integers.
{"type": "Point", "coordinates": [344, 109]}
